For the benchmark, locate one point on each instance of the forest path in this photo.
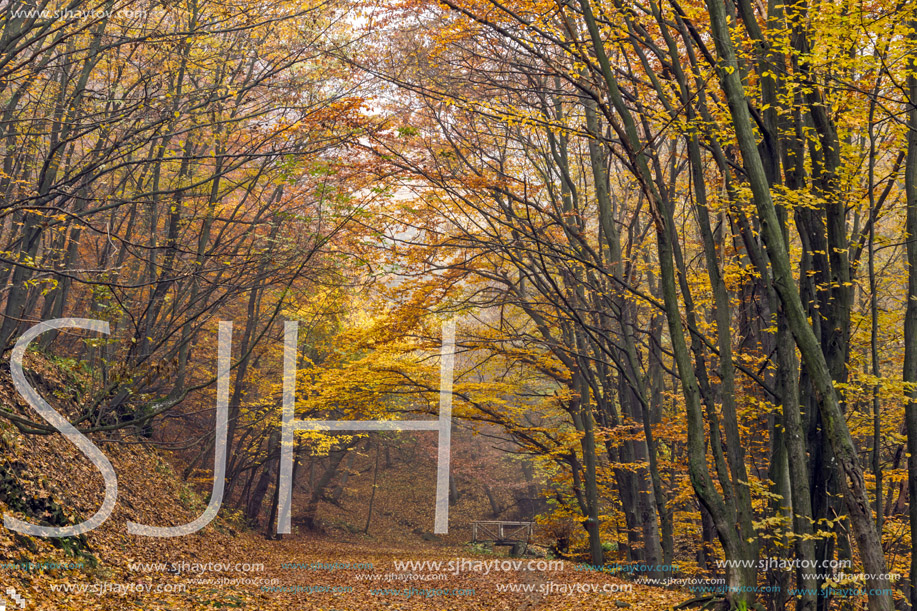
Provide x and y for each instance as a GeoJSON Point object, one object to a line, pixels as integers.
{"type": "Point", "coordinates": [310, 573]}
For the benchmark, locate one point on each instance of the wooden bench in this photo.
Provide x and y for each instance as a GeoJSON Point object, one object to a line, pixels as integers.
{"type": "Point", "coordinates": [516, 535]}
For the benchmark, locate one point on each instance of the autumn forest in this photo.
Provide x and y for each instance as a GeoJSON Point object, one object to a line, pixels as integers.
{"type": "Point", "coordinates": [458, 304]}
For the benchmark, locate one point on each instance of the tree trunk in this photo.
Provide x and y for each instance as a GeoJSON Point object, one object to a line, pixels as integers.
{"type": "Point", "coordinates": [372, 496]}
{"type": "Point", "coordinates": [910, 317]}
